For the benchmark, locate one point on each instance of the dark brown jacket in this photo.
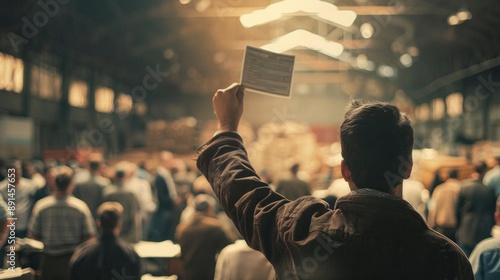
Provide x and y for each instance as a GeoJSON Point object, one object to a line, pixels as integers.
{"type": "Point", "coordinates": [369, 235]}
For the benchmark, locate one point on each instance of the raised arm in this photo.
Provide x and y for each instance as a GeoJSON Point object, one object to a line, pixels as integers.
{"type": "Point", "coordinates": [264, 218]}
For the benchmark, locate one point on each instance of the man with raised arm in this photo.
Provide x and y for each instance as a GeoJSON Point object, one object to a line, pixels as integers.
{"type": "Point", "coordinates": [371, 234]}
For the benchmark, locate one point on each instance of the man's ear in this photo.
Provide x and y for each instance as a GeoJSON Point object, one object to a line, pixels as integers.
{"type": "Point", "coordinates": [346, 173]}
{"type": "Point", "coordinates": [407, 169]}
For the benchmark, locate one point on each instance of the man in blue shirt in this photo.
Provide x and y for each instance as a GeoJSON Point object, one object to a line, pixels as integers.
{"type": "Point", "coordinates": [485, 258]}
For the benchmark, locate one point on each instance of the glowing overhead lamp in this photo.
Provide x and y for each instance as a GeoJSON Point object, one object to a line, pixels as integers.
{"type": "Point", "coordinates": [406, 60]}
{"type": "Point", "coordinates": [386, 71]}
{"type": "Point", "coordinates": [322, 10]}
{"type": "Point", "coordinates": [453, 20]}
{"type": "Point", "coordinates": [303, 38]}
{"type": "Point", "coordinates": [366, 30]}
{"type": "Point", "coordinates": [464, 14]}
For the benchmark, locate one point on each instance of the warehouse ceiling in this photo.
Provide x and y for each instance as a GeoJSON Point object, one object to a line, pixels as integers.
{"type": "Point", "coordinates": [410, 45]}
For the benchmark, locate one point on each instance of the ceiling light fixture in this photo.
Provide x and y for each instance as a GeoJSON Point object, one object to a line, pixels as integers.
{"type": "Point", "coordinates": [366, 30]}
{"type": "Point", "coordinates": [303, 38]}
{"type": "Point", "coordinates": [406, 60]}
{"type": "Point", "coordinates": [462, 15]}
{"type": "Point", "coordinates": [322, 10]}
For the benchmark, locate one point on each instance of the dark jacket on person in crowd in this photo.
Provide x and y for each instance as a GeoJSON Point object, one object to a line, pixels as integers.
{"type": "Point", "coordinates": [369, 235]}
{"type": "Point", "coordinates": [475, 208]}
{"type": "Point", "coordinates": [105, 258]}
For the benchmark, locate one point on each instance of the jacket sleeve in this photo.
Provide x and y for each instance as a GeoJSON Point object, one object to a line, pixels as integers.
{"type": "Point", "coordinates": [265, 219]}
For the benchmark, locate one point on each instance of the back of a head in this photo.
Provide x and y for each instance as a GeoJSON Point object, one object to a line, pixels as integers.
{"type": "Point", "coordinates": [480, 168]}
{"type": "Point", "coordinates": [94, 165]}
{"type": "Point", "coordinates": [64, 178]}
{"type": "Point", "coordinates": [295, 169]}
{"type": "Point", "coordinates": [377, 142]}
{"type": "Point", "coordinates": [204, 203]}
{"type": "Point", "coordinates": [453, 174]}
{"type": "Point", "coordinates": [110, 214]}
{"type": "Point", "coordinates": [120, 176]}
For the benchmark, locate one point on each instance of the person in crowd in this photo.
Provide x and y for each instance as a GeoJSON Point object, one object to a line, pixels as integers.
{"type": "Point", "coordinates": [142, 172]}
{"type": "Point", "coordinates": [190, 211]}
{"type": "Point", "coordinates": [417, 195]}
{"type": "Point", "coordinates": [3, 171]}
{"type": "Point", "coordinates": [162, 224]}
{"type": "Point", "coordinates": [291, 186]}
{"type": "Point", "coordinates": [107, 257]}
{"type": "Point", "coordinates": [4, 230]}
{"type": "Point", "coordinates": [474, 211]}
{"type": "Point", "coordinates": [32, 170]}
{"type": "Point", "coordinates": [239, 261]}
{"type": "Point", "coordinates": [142, 190]}
{"type": "Point", "coordinates": [485, 258]}
{"type": "Point", "coordinates": [492, 177]}
{"type": "Point", "coordinates": [91, 191]}
{"type": "Point", "coordinates": [131, 230]}
{"type": "Point", "coordinates": [62, 222]}
{"type": "Point", "coordinates": [443, 204]}
{"type": "Point", "coordinates": [440, 177]}
{"type": "Point", "coordinates": [24, 195]}
{"type": "Point", "coordinates": [49, 174]}
{"type": "Point", "coordinates": [201, 239]}
{"type": "Point", "coordinates": [201, 185]}
{"type": "Point", "coordinates": [183, 177]}
{"type": "Point", "coordinates": [83, 172]}
{"type": "Point", "coordinates": [372, 234]}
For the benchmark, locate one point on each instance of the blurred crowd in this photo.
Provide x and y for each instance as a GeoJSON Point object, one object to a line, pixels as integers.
{"type": "Point", "coordinates": [68, 206]}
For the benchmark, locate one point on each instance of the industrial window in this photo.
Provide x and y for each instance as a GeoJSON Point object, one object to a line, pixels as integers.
{"type": "Point", "coordinates": [78, 92]}
{"type": "Point", "coordinates": [11, 73]}
{"type": "Point", "coordinates": [454, 104]}
{"type": "Point", "coordinates": [104, 98]}
{"type": "Point", "coordinates": [437, 109]}
{"type": "Point", "coordinates": [124, 103]}
{"type": "Point", "coordinates": [46, 82]}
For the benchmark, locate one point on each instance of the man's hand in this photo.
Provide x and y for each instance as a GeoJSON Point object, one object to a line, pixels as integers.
{"type": "Point", "coordinates": [228, 107]}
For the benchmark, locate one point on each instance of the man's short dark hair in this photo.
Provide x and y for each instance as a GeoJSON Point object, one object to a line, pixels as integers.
{"type": "Point", "coordinates": [110, 214]}
{"type": "Point", "coordinates": [453, 174]}
{"type": "Point", "coordinates": [377, 143]}
{"type": "Point", "coordinates": [94, 165]}
{"type": "Point", "coordinates": [295, 168]}
{"type": "Point", "coordinates": [481, 168]}
{"type": "Point", "coordinates": [64, 178]}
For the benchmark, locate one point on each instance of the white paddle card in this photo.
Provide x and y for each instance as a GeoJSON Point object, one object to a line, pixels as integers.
{"type": "Point", "coordinates": [267, 73]}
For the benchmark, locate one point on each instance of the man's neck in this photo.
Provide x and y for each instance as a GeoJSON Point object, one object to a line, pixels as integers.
{"type": "Point", "coordinates": [398, 191]}
{"type": "Point", "coordinates": [59, 194]}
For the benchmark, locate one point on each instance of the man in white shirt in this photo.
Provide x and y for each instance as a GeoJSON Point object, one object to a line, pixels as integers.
{"type": "Point", "coordinates": [239, 261]}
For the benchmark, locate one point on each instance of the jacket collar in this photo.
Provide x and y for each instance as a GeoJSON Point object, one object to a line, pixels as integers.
{"type": "Point", "coordinates": [374, 213]}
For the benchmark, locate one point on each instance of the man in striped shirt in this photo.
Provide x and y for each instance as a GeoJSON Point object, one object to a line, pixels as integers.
{"type": "Point", "coordinates": [61, 222]}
